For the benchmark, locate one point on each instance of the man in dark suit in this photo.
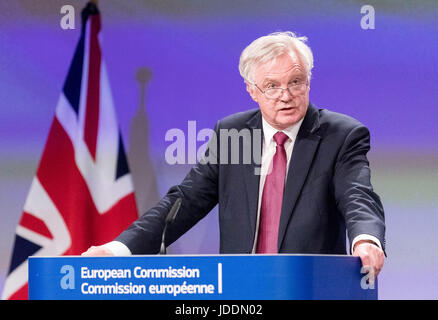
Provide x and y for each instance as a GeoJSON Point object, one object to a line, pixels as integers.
{"type": "Point", "coordinates": [308, 186]}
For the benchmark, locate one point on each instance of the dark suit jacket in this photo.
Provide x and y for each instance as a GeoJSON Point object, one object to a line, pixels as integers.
{"type": "Point", "coordinates": [327, 192]}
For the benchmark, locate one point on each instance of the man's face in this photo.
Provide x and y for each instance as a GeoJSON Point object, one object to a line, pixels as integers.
{"type": "Point", "coordinates": [287, 109]}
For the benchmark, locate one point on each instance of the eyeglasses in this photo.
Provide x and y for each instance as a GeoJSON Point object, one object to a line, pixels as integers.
{"type": "Point", "coordinates": [295, 89]}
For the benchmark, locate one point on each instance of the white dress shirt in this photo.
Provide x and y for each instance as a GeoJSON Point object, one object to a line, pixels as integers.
{"type": "Point", "coordinates": [268, 151]}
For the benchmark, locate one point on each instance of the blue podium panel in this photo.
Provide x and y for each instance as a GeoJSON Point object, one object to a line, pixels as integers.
{"type": "Point", "coordinates": [229, 277]}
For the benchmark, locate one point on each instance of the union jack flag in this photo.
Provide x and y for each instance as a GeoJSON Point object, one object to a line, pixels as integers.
{"type": "Point", "coordinates": [82, 193]}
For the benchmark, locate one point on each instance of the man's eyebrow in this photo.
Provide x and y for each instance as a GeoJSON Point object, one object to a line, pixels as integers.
{"type": "Point", "coordinates": [295, 77]}
{"type": "Point", "coordinates": [266, 80]}
{"type": "Point", "coordinates": [298, 77]}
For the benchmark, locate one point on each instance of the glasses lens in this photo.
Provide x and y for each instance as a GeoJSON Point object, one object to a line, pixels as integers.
{"type": "Point", "coordinates": [273, 93]}
{"type": "Point", "coordinates": [297, 88]}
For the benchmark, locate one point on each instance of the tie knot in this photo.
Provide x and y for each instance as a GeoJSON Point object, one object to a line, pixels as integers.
{"type": "Point", "coordinates": [280, 138]}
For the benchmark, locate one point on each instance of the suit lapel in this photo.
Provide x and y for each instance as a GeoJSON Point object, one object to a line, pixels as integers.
{"type": "Point", "coordinates": [301, 160]}
{"type": "Point", "coordinates": [252, 179]}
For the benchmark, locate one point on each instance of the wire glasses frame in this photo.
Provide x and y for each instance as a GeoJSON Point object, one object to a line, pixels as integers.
{"type": "Point", "coordinates": [275, 93]}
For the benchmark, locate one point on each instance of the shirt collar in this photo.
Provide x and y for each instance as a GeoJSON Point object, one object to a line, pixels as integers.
{"type": "Point", "coordinates": [269, 131]}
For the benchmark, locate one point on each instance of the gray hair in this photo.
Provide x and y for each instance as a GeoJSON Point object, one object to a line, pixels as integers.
{"type": "Point", "coordinates": [268, 48]}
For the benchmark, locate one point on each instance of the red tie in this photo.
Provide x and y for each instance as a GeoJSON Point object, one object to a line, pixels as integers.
{"type": "Point", "coordinates": [272, 199]}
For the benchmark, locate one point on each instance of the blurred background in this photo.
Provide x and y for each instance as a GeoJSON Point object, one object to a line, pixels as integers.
{"type": "Point", "coordinates": [174, 61]}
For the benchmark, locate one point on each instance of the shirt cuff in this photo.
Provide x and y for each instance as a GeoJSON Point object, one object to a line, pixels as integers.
{"type": "Point", "coordinates": [365, 237]}
{"type": "Point", "coordinates": [118, 248]}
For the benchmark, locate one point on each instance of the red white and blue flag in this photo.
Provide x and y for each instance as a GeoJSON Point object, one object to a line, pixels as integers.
{"type": "Point", "coordinates": [82, 193]}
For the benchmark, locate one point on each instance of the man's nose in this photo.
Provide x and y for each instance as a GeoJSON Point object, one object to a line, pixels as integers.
{"type": "Point", "coordinates": [286, 95]}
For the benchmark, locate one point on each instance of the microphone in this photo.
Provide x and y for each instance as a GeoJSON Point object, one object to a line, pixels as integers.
{"type": "Point", "coordinates": [169, 220]}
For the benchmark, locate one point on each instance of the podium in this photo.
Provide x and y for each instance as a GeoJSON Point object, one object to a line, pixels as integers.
{"type": "Point", "coordinates": [199, 277]}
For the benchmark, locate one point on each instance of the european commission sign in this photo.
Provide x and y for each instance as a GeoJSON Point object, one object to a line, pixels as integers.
{"type": "Point", "coordinates": [215, 277]}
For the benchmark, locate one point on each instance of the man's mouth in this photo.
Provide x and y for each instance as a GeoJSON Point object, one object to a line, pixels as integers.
{"type": "Point", "coordinates": [285, 109]}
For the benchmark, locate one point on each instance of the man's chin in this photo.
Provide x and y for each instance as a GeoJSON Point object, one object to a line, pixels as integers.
{"type": "Point", "coordinates": [288, 119]}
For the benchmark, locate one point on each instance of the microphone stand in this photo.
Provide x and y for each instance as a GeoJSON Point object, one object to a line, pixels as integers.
{"type": "Point", "coordinates": [169, 220]}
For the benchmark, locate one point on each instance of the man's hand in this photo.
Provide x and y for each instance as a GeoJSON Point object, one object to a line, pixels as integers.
{"type": "Point", "coordinates": [99, 251]}
{"type": "Point", "coordinates": [371, 255]}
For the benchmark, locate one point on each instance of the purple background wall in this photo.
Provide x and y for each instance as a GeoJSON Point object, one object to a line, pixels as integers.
{"type": "Point", "coordinates": [386, 77]}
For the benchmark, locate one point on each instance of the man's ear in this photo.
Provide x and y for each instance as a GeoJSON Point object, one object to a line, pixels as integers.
{"type": "Point", "coordinates": [252, 91]}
